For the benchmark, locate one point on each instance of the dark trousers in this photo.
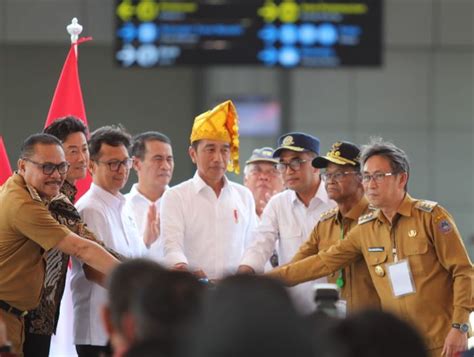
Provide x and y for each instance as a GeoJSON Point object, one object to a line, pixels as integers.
{"type": "Point", "coordinates": [36, 345]}
{"type": "Point", "coordinates": [92, 351]}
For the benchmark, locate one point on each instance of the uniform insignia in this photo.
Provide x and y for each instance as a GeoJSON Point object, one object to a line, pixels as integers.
{"type": "Point", "coordinates": [328, 214]}
{"type": "Point", "coordinates": [412, 233]}
{"type": "Point", "coordinates": [367, 217]}
{"type": "Point", "coordinates": [288, 141]}
{"type": "Point", "coordinates": [425, 205]}
{"type": "Point", "coordinates": [33, 193]}
{"type": "Point", "coordinates": [379, 271]}
{"type": "Point", "coordinates": [444, 226]}
{"type": "Point", "coordinates": [376, 249]}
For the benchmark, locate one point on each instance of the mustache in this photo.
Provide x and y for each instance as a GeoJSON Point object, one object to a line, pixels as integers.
{"type": "Point", "coordinates": [58, 182]}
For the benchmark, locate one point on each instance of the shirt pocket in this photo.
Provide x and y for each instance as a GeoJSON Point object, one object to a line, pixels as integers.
{"type": "Point", "coordinates": [376, 263]}
{"type": "Point", "coordinates": [416, 251]}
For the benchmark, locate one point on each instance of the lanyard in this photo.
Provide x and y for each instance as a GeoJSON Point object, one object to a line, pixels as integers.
{"type": "Point", "coordinates": [340, 278]}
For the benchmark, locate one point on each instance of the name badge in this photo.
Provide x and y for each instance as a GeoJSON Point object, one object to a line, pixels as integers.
{"type": "Point", "coordinates": [376, 249]}
{"type": "Point", "coordinates": [401, 278]}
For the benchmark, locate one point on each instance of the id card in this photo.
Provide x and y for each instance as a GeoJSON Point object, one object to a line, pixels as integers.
{"type": "Point", "coordinates": [401, 278]}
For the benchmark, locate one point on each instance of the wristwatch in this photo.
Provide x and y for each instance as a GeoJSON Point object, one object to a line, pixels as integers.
{"type": "Point", "coordinates": [464, 328]}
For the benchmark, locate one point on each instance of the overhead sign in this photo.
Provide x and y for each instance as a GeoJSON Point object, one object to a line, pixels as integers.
{"type": "Point", "coordinates": [287, 33]}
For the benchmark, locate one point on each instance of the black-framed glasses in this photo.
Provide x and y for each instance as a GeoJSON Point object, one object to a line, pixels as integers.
{"type": "Point", "coordinates": [114, 165]}
{"type": "Point", "coordinates": [377, 177]}
{"type": "Point", "coordinates": [48, 167]}
{"type": "Point", "coordinates": [257, 170]}
{"type": "Point", "coordinates": [294, 164]}
{"type": "Point", "coordinates": [337, 176]}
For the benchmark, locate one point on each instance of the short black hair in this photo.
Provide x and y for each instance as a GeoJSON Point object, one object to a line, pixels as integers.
{"type": "Point", "coordinates": [140, 140]}
{"type": "Point", "coordinates": [123, 283]}
{"type": "Point", "coordinates": [28, 147]}
{"type": "Point", "coordinates": [113, 135]}
{"type": "Point", "coordinates": [63, 127]}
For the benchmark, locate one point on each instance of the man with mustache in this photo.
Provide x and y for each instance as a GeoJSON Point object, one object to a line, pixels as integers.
{"type": "Point", "coordinates": [102, 209]}
{"type": "Point", "coordinates": [413, 250]}
{"type": "Point", "coordinates": [153, 162]}
{"type": "Point", "coordinates": [41, 323]}
{"type": "Point", "coordinates": [343, 182]}
{"type": "Point", "coordinates": [27, 230]}
{"type": "Point", "coordinates": [206, 222]}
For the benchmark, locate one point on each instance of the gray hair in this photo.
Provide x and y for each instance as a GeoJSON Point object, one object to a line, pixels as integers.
{"type": "Point", "coordinates": [397, 157]}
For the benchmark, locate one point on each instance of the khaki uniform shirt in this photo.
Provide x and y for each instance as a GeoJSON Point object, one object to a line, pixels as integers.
{"type": "Point", "coordinates": [358, 289]}
{"type": "Point", "coordinates": [424, 234]}
{"type": "Point", "coordinates": [27, 230]}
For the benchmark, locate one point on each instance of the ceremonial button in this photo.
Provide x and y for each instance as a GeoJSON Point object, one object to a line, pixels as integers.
{"type": "Point", "coordinates": [379, 271]}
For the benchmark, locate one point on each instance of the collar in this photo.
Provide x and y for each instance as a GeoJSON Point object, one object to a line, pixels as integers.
{"type": "Point", "coordinates": [320, 195]}
{"type": "Point", "coordinates": [134, 193]}
{"type": "Point", "coordinates": [115, 201]}
{"type": "Point", "coordinates": [20, 180]}
{"type": "Point", "coordinates": [69, 190]}
{"type": "Point", "coordinates": [199, 183]}
{"type": "Point", "coordinates": [355, 212]}
{"type": "Point", "coordinates": [404, 209]}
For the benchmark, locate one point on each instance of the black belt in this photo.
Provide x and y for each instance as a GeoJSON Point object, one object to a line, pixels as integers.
{"type": "Point", "coordinates": [12, 310]}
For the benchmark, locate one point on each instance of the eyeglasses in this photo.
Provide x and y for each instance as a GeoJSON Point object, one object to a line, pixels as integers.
{"type": "Point", "coordinates": [294, 164]}
{"type": "Point", "coordinates": [49, 168]}
{"type": "Point", "coordinates": [114, 165]}
{"type": "Point", "coordinates": [377, 177]}
{"type": "Point", "coordinates": [337, 176]}
{"type": "Point", "coordinates": [256, 170]}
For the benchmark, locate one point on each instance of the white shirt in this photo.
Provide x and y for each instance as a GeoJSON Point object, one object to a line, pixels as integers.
{"type": "Point", "coordinates": [105, 216]}
{"type": "Point", "coordinates": [205, 231]}
{"type": "Point", "coordinates": [137, 206]}
{"type": "Point", "coordinates": [287, 223]}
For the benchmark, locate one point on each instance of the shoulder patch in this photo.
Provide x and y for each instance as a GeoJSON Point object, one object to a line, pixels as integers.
{"type": "Point", "coordinates": [33, 193]}
{"type": "Point", "coordinates": [328, 214]}
{"type": "Point", "coordinates": [425, 205]}
{"type": "Point", "coordinates": [367, 217]}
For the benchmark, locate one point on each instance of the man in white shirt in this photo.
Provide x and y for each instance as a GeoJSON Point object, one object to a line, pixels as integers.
{"type": "Point", "coordinates": [102, 209]}
{"type": "Point", "coordinates": [206, 222]}
{"type": "Point", "coordinates": [263, 179]}
{"type": "Point", "coordinates": [290, 216]}
{"type": "Point", "coordinates": [153, 162]}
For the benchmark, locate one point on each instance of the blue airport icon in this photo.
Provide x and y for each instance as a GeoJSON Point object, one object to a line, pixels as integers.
{"type": "Point", "coordinates": [128, 32]}
{"type": "Point", "coordinates": [288, 34]}
{"type": "Point", "coordinates": [269, 56]}
{"type": "Point", "coordinates": [289, 56]}
{"type": "Point", "coordinates": [269, 34]}
{"type": "Point", "coordinates": [148, 32]}
{"type": "Point", "coordinates": [126, 55]}
{"type": "Point", "coordinates": [147, 55]}
{"type": "Point", "coordinates": [328, 35]}
{"type": "Point", "coordinates": [308, 34]}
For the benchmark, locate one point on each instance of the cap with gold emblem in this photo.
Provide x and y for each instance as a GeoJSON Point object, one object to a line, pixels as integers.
{"type": "Point", "coordinates": [342, 153]}
{"type": "Point", "coordinates": [264, 154]}
{"type": "Point", "coordinates": [220, 123]}
{"type": "Point", "coordinates": [298, 142]}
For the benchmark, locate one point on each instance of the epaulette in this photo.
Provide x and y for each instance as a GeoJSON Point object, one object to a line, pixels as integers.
{"type": "Point", "coordinates": [33, 193]}
{"type": "Point", "coordinates": [425, 205]}
{"type": "Point", "coordinates": [328, 214]}
{"type": "Point", "coordinates": [367, 217]}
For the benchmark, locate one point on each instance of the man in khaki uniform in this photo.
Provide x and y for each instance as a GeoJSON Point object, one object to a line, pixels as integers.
{"type": "Point", "coordinates": [414, 252]}
{"type": "Point", "coordinates": [343, 183]}
{"type": "Point", "coordinates": [27, 230]}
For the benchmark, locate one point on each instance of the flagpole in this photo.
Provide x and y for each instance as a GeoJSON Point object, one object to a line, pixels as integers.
{"type": "Point", "coordinates": [74, 29]}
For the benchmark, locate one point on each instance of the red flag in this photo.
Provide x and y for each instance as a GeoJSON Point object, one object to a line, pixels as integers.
{"type": "Point", "coordinates": [67, 100]}
{"type": "Point", "coordinates": [5, 168]}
